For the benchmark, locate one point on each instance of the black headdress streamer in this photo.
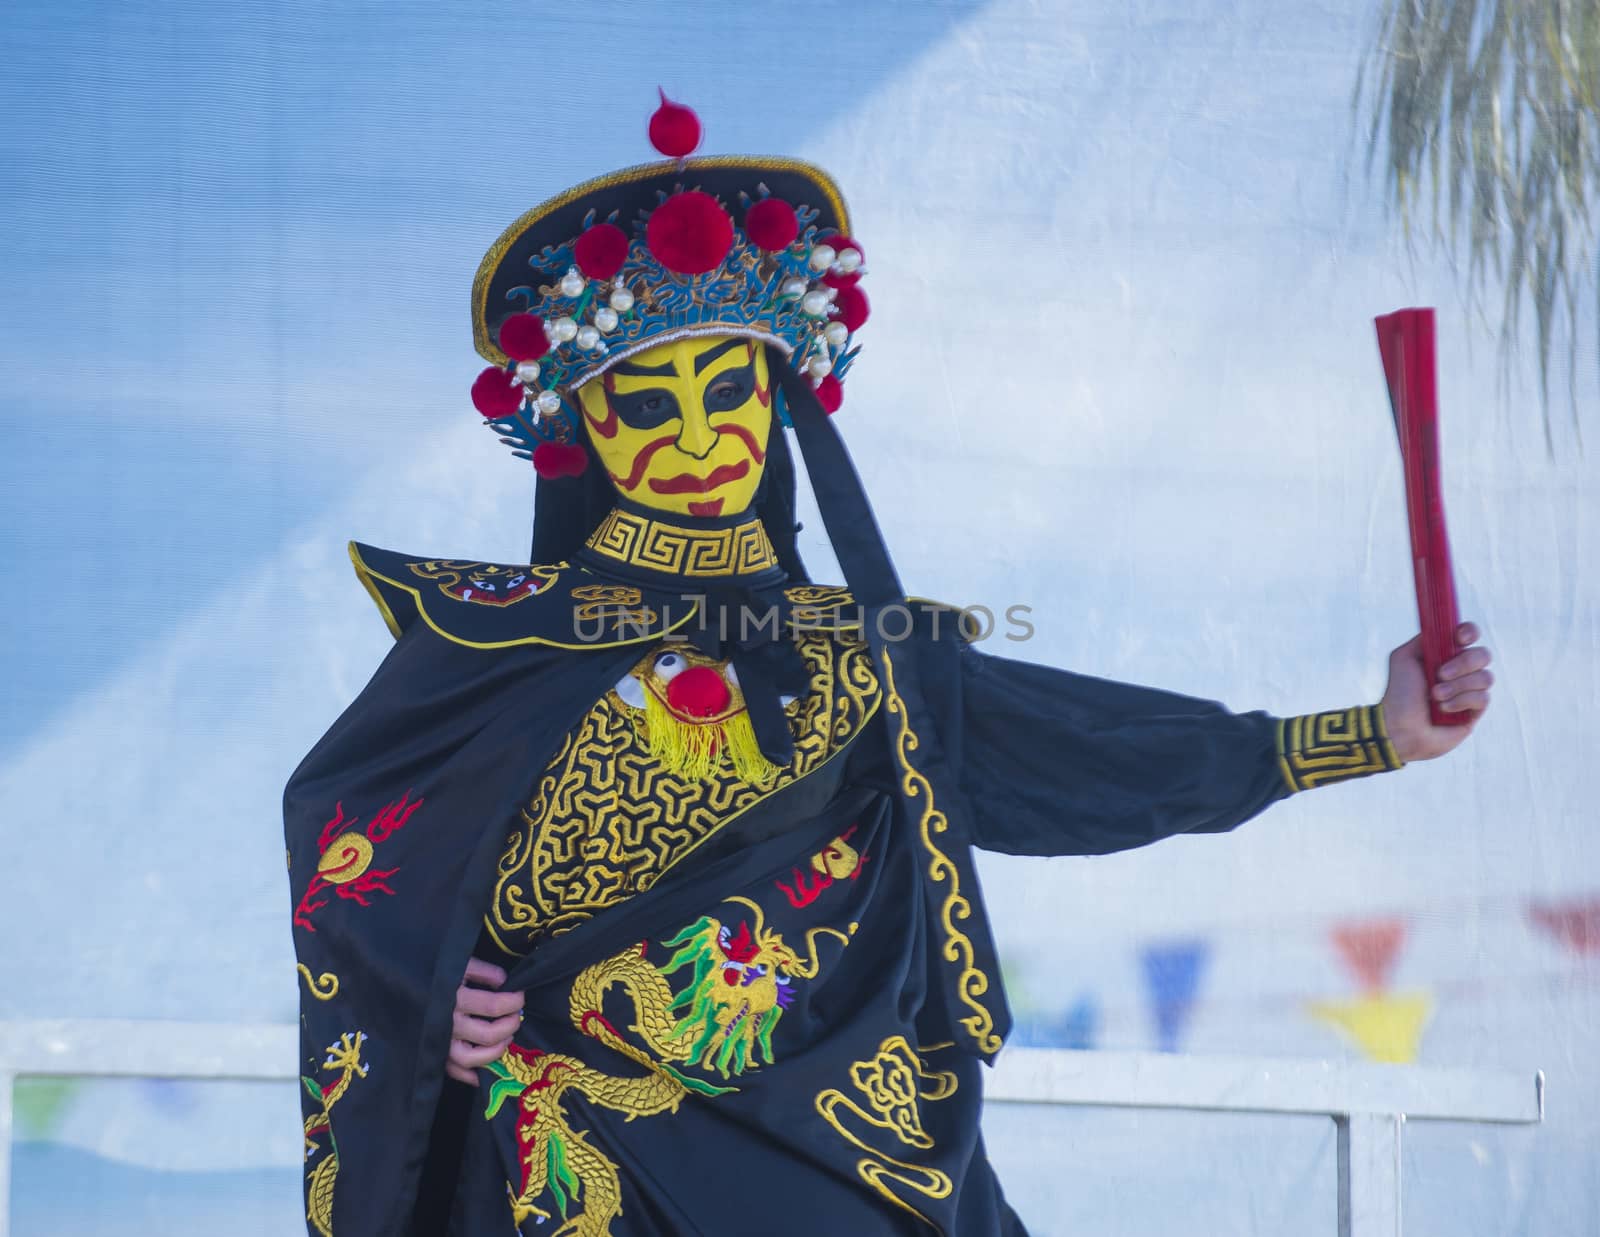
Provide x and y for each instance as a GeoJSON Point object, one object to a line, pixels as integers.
{"type": "Point", "coordinates": [846, 513]}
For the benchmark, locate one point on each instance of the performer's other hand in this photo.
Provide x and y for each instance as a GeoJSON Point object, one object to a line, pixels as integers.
{"type": "Point", "coordinates": [485, 1021]}
{"type": "Point", "coordinates": [1463, 686]}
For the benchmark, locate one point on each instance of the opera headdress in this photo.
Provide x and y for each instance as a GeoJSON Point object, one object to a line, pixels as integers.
{"type": "Point", "coordinates": [726, 245]}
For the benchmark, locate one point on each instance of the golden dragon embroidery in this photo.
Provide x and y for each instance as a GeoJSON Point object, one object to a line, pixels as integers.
{"type": "Point", "coordinates": [741, 982]}
{"type": "Point", "coordinates": [344, 1056]}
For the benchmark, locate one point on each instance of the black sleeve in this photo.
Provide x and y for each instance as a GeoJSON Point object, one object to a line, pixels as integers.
{"type": "Point", "coordinates": [1055, 763]}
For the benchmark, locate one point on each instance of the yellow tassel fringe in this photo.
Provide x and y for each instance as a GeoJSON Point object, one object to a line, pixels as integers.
{"type": "Point", "coordinates": [694, 749]}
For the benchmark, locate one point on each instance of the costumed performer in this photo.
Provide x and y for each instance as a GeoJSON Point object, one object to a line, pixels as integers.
{"type": "Point", "coordinates": [635, 892]}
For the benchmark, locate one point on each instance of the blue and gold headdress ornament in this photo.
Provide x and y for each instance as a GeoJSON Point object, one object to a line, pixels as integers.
{"type": "Point", "coordinates": [729, 245]}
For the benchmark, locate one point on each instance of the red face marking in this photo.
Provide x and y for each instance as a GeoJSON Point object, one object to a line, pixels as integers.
{"type": "Point", "coordinates": [763, 393]}
{"type": "Point", "coordinates": [684, 483]}
{"type": "Point", "coordinates": [608, 427]}
{"type": "Point", "coordinates": [745, 434]}
{"type": "Point", "coordinates": [642, 461]}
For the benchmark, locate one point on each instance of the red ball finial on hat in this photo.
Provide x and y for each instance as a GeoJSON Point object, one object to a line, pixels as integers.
{"type": "Point", "coordinates": [601, 250]}
{"type": "Point", "coordinates": [495, 395]}
{"type": "Point", "coordinates": [674, 129]}
{"type": "Point", "coordinates": [830, 394]}
{"type": "Point", "coordinates": [522, 337]}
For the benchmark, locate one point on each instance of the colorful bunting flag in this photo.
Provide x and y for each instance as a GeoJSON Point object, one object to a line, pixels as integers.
{"type": "Point", "coordinates": [1385, 1027]}
{"type": "Point", "coordinates": [1576, 924]}
{"type": "Point", "coordinates": [176, 1096]}
{"type": "Point", "coordinates": [1081, 1027]}
{"type": "Point", "coordinates": [39, 1105]}
{"type": "Point", "coordinates": [1077, 1027]}
{"type": "Point", "coordinates": [1369, 948]}
{"type": "Point", "coordinates": [1172, 974]}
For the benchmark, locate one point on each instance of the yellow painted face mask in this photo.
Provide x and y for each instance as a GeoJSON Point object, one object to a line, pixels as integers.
{"type": "Point", "coordinates": [683, 426]}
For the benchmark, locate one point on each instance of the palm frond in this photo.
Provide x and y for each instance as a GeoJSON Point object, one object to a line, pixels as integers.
{"type": "Point", "coordinates": [1486, 114]}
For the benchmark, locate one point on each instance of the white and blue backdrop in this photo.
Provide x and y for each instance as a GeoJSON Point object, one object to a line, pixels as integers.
{"type": "Point", "coordinates": [1121, 369]}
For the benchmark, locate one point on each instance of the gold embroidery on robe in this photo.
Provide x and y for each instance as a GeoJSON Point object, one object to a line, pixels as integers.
{"type": "Point", "coordinates": [606, 821]}
{"type": "Point", "coordinates": [893, 1081]}
{"type": "Point", "coordinates": [640, 541]}
{"type": "Point", "coordinates": [344, 1057]}
{"type": "Point", "coordinates": [956, 908]}
{"type": "Point", "coordinates": [708, 1024]}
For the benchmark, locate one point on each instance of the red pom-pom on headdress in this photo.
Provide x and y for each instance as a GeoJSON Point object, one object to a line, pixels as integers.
{"type": "Point", "coordinates": [830, 394]}
{"type": "Point", "coordinates": [689, 233]}
{"type": "Point", "coordinates": [771, 224]}
{"type": "Point", "coordinates": [601, 250]}
{"type": "Point", "coordinates": [850, 307]}
{"type": "Point", "coordinates": [836, 278]}
{"type": "Point", "coordinates": [674, 129]}
{"type": "Point", "coordinates": [522, 337]}
{"type": "Point", "coordinates": [559, 459]}
{"type": "Point", "coordinates": [495, 395]}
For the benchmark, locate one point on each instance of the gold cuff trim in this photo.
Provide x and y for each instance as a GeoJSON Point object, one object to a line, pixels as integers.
{"type": "Point", "coordinates": [1318, 749]}
{"type": "Point", "coordinates": [640, 541]}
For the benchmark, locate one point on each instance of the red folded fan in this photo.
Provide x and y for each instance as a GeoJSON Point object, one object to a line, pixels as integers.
{"type": "Point", "coordinates": [1405, 339]}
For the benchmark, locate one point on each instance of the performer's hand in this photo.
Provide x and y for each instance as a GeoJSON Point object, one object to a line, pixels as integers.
{"type": "Point", "coordinates": [1463, 686]}
{"type": "Point", "coordinates": [485, 1021]}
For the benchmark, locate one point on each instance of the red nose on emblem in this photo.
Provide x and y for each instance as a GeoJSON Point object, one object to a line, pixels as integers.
{"type": "Point", "coordinates": [698, 691]}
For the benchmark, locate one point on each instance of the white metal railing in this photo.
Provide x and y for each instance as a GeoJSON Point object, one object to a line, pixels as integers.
{"type": "Point", "coordinates": [1369, 1104]}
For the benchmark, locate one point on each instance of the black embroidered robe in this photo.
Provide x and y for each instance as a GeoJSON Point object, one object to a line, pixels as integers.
{"type": "Point", "coordinates": [750, 1009]}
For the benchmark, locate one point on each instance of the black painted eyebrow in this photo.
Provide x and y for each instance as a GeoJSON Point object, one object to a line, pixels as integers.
{"type": "Point", "coordinates": [711, 354]}
{"type": "Point", "coordinates": [630, 370]}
